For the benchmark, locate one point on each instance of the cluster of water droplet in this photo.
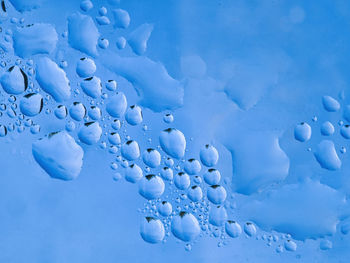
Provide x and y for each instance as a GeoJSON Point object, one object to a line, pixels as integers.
{"type": "Point", "coordinates": [185, 197]}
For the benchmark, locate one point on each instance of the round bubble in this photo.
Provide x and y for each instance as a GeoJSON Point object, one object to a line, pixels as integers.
{"type": "Point", "coordinates": [185, 226]}
{"type": "Point", "coordinates": [302, 132]}
{"type": "Point", "coordinates": [212, 176]}
{"type": "Point", "coordinates": [14, 81]}
{"type": "Point", "coordinates": [133, 173]}
{"type": "Point", "coordinates": [165, 208]}
{"type": "Point", "coordinates": [330, 104]}
{"type": "Point", "coordinates": [130, 150]}
{"type": "Point", "coordinates": [217, 215]}
{"type": "Point", "coordinates": [134, 115]}
{"type": "Point", "coordinates": [85, 67]}
{"type": "Point", "coordinates": [233, 229]}
{"type": "Point", "coordinates": [90, 133]}
{"type": "Point", "coordinates": [250, 229]}
{"type": "Point", "coordinates": [114, 138]}
{"type": "Point", "coordinates": [182, 181]}
{"type": "Point", "coordinates": [290, 245]}
{"type": "Point", "coordinates": [116, 105]}
{"type": "Point", "coordinates": [151, 158]}
{"type": "Point", "coordinates": [168, 118]}
{"type": "Point", "coordinates": [77, 111]}
{"type": "Point", "coordinates": [92, 87]}
{"type": "Point", "coordinates": [95, 113]}
{"type": "Point", "coordinates": [216, 194]}
{"type": "Point", "coordinates": [116, 124]}
{"type": "Point", "coordinates": [111, 85]}
{"type": "Point", "coordinates": [152, 230]}
{"type": "Point", "coordinates": [121, 42]}
{"type": "Point", "coordinates": [192, 166]}
{"type": "Point", "coordinates": [327, 128]}
{"type": "Point", "coordinates": [167, 173]}
{"type": "Point", "coordinates": [195, 193]}
{"type": "Point", "coordinates": [209, 155]}
{"type": "Point", "coordinates": [173, 142]}
{"type": "Point", "coordinates": [169, 162]}
{"type": "Point", "coordinates": [151, 187]}
{"type": "Point", "coordinates": [345, 131]}
{"type": "Point", "coordinates": [86, 5]}
{"type": "Point", "coordinates": [31, 104]}
{"type": "Point", "coordinates": [61, 112]}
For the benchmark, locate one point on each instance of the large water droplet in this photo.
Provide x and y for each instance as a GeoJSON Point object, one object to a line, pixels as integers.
{"type": "Point", "coordinates": [133, 173]}
{"type": "Point", "coordinates": [326, 155]}
{"type": "Point", "coordinates": [182, 181]}
{"type": "Point", "coordinates": [185, 226]}
{"type": "Point", "coordinates": [116, 105]}
{"type": "Point", "coordinates": [173, 142]}
{"type": "Point", "coordinates": [302, 132]}
{"type": "Point", "coordinates": [59, 155]}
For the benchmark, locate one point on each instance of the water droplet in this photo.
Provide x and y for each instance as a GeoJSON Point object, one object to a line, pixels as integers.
{"type": "Point", "coordinates": [134, 115]}
{"type": "Point", "coordinates": [192, 166]}
{"type": "Point", "coordinates": [133, 173]}
{"type": "Point", "coordinates": [250, 229]}
{"type": "Point", "coordinates": [151, 158]}
{"type": "Point", "coordinates": [217, 215]}
{"type": "Point", "coordinates": [90, 133]}
{"type": "Point", "coordinates": [327, 128]}
{"type": "Point", "coordinates": [165, 208]}
{"type": "Point", "coordinates": [330, 104]}
{"type": "Point", "coordinates": [233, 229]}
{"type": "Point", "coordinates": [151, 187]}
{"type": "Point", "coordinates": [290, 245]}
{"type": "Point", "coordinates": [182, 181]}
{"type": "Point", "coordinates": [185, 226]}
{"type": "Point", "coordinates": [130, 150]}
{"type": "Point", "coordinates": [345, 131]}
{"type": "Point", "coordinates": [173, 142]}
{"type": "Point", "coordinates": [302, 132]}
{"type": "Point", "coordinates": [31, 104]}
{"type": "Point", "coordinates": [116, 105]}
{"type": "Point", "coordinates": [195, 193]}
{"type": "Point", "coordinates": [152, 230]}
{"type": "Point", "coordinates": [216, 194]}
{"type": "Point", "coordinates": [59, 155]}
{"type": "Point", "coordinates": [326, 155]}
